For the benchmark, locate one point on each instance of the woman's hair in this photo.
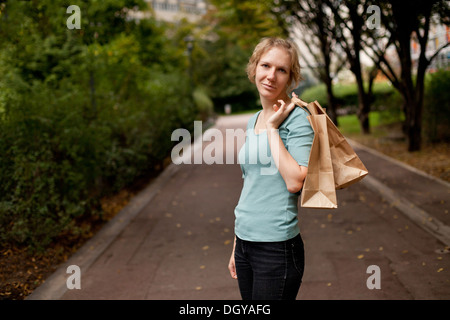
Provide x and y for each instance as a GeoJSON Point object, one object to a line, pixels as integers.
{"type": "Point", "coordinates": [265, 45]}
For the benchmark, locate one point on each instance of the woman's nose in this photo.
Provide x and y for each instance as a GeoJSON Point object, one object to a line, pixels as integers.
{"type": "Point", "coordinates": [271, 74]}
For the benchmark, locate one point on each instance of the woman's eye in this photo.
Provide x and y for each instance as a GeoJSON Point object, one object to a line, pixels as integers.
{"type": "Point", "coordinates": [282, 70]}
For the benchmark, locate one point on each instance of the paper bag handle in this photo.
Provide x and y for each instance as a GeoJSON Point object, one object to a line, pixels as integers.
{"type": "Point", "coordinates": [299, 102]}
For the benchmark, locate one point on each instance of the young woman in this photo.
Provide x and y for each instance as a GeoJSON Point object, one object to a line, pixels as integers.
{"type": "Point", "coordinates": [268, 254]}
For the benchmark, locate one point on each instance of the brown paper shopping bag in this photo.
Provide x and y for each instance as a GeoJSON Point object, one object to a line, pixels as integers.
{"type": "Point", "coordinates": [347, 168]}
{"type": "Point", "coordinates": [318, 187]}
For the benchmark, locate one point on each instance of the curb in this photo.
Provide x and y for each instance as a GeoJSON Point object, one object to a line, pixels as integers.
{"type": "Point", "coordinates": [424, 220]}
{"type": "Point", "coordinates": [430, 224]}
{"type": "Point", "coordinates": [55, 286]}
{"type": "Point", "coordinates": [397, 162]}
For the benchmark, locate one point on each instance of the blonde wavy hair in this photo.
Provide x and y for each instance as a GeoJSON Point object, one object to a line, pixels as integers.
{"type": "Point", "coordinates": [265, 45]}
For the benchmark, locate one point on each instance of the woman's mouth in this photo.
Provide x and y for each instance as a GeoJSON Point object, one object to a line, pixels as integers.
{"type": "Point", "coordinates": [268, 86]}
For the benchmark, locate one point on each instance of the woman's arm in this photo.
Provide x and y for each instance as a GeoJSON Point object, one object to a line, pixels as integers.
{"type": "Point", "coordinates": [292, 173]}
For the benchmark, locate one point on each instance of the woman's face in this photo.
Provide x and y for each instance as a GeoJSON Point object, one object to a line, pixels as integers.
{"type": "Point", "coordinates": [273, 73]}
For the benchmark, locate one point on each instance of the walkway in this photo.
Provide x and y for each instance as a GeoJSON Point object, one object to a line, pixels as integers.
{"type": "Point", "coordinates": [173, 241]}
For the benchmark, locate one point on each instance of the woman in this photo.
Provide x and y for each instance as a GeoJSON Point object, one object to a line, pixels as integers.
{"type": "Point", "coordinates": [268, 255]}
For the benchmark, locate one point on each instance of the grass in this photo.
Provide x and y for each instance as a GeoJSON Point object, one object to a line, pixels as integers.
{"type": "Point", "coordinates": [349, 124]}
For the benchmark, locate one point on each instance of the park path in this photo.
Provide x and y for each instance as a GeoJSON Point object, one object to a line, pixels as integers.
{"type": "Point", "coordinates": [174, 239]}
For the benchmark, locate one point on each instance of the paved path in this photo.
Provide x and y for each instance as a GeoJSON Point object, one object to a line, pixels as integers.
{"type": "Point", "coordinates": [173, 240]}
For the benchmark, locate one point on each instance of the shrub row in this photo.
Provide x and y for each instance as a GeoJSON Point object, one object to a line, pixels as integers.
{"type": "Point", "coordinates": [80, 120]}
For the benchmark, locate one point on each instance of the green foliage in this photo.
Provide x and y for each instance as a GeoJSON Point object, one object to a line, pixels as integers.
{"type": "Point", "coordinates": [82, 113]}
{"type": "Point", "coordinates": [223, 47]}
{"type": "Point", "coordinates": [436, 111]}
{"type": "Point", "coordinates": [245, 22]}
{"type": "Point", "coordinates": [222, 71]}
{"type": "Point", "coordinates": [205, 105]}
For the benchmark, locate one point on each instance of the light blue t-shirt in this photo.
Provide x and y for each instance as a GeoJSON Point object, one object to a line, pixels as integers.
{"type": "Point", "coordinates": [266, 210]}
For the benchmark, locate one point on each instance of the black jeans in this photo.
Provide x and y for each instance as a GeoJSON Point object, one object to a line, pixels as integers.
{"type": "Point", "coordinates": [269, 270]}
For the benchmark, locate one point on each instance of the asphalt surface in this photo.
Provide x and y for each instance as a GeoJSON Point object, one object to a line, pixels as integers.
{"type": "Point", "coordinates": [174, 239]}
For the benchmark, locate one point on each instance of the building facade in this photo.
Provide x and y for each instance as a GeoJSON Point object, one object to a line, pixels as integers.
{"type": "Point", "coordinates": [439, 35]}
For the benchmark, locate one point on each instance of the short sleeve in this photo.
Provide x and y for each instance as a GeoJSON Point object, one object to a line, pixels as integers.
{"type": "Point", "coordinates": [299, 136]}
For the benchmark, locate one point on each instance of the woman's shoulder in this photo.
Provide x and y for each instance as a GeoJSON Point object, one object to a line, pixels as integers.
{"type": "Point", "coordinates": [297, 117]}
{"type": "Point", "coordinates": [299, 112]}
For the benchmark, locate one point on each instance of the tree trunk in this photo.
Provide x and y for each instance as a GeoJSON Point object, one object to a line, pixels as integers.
{"type": "Point", "coordinates": [363, 115]}
{"type": "Point", "coordinates": [363, 100]}
{"type": "Point", "coordinates": [407, 22]}
{"type": "Point", "coordinates": [331, 101]}
{"type": "Point", "coordinates": [414, 126]}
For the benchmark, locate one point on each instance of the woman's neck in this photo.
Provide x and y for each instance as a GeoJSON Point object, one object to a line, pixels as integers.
{"type": "Point", "coordinates": [267, 104]}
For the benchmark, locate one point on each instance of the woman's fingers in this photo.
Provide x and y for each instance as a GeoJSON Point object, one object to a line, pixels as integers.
{"type": "Point", "coordinates": [232, 268]}
{"type": "Point", "coordinates": [281, 112]}
{"type": "Point", "coordinates": [291, 106]}
{"type": "Point", "coordinates": [286, 108]}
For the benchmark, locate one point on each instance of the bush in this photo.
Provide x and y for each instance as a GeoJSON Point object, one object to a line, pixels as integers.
{"type": "Point", "coordinates": [436, 109]}
{"type": "Point", "coordinates": [205, 105]}
{"type": "Point", "coordinates": [57, 160]}
{"type": "Point", "coordinates": [81, 121]}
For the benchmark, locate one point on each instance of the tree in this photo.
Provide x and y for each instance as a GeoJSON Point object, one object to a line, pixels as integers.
{"type": "Point", "coordinates": [401, 22]}
{"type": "Point", "coordinates": [224, 41]}
{"type": "Point", "coordinates": [310, 21]}
{"type": "Point", "coordinates": [350, 24]}
{"type": "Point", "coordinates": [247, 21]}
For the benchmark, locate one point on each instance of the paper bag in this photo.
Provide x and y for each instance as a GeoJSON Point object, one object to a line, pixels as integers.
{"type": "Point", "coordinates": [318, 187]}
{"type": "Point", "coordinates": [347, 168]}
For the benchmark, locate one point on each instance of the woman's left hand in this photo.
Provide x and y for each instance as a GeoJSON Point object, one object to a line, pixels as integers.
{"type": "Point", "coordinates": [281, 113]}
